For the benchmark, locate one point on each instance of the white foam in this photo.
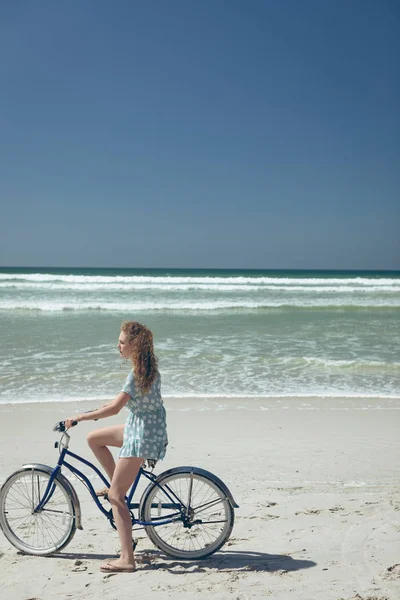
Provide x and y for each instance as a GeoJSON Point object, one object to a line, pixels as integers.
{"type": "Point", "coordinates": [355, 484]}
{"type": "Point", "coordinates": [191, 305]}
{"type": "Point", "coordinates": [187, 287]}
{"type": "Point", "coordinates": [347, 364]}
{"type": "Point", "coordinates": [174, 279]}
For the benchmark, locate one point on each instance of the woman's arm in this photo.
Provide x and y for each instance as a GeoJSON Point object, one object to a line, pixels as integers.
{"type": "Point", "coordinates": [107, 410]}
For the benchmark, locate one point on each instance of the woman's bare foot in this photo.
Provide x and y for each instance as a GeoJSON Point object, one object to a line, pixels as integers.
{"type": "Point", "coordinates": [103, 492]}
{"type": "Point", "coordinates": [118, 566]}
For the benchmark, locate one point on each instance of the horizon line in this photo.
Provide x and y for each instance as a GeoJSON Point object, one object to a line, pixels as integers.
{"type": "Point", "coordinates": [307, 269]}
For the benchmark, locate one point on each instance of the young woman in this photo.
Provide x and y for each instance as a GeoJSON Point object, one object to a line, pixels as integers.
{"type": "Point", "coordinates": [144, 435]}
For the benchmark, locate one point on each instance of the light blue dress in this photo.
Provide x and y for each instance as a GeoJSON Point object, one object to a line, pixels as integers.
{"type": "Point", "coordinates": [145, 433]}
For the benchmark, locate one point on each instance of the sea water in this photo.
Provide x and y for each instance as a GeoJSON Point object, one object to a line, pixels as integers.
{"type": "Point", "coordinates": [217, 333]}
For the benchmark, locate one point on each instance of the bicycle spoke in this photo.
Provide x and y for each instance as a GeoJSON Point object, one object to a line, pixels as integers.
{"type": "Point", "coordinates": [23, 505]}
{"type": "Point", "coordinates": [202, 507]}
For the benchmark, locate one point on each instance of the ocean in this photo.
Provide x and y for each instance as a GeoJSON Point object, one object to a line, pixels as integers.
{"type": "Point", "coordinates": [218, 333]}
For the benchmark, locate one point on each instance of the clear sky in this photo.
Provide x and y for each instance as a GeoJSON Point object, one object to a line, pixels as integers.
{"type": "Point", "coordinates": [200, 133]}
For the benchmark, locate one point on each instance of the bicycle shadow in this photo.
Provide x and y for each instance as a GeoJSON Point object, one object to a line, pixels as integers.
{"type": "Point", "coordinates": [229, 560]}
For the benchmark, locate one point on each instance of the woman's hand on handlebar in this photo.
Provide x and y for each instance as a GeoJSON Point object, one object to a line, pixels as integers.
{"type": "Point", "coordinates": [82, 417]}
{"type": "Point", "coordinates": [72, 421]}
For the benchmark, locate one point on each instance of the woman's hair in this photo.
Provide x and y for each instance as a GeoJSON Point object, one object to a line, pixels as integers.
{"type": "Point", "coordinates": [144, 361]}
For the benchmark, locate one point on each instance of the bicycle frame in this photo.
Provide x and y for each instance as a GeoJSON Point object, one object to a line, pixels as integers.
{"type": "Point", "coordinates": [176, 503]}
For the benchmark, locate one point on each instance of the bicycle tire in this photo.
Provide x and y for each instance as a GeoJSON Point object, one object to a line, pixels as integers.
{"type": "Point", "coordinates": [56, 523]}
{"type": "Point", "coordinates": [175, 539]}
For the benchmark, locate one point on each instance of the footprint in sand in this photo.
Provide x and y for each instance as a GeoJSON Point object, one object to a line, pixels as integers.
{"type": "Point", "coordinates": [265, 504]}
{"type": "Point", "coordinates": [266, 517]}
{"type": "Point", "coordinates": [392, 573]}
{"type": "Point", "coordinates": [232, 541]}
{"type": "Point", "coordinates": [316, 511]}
{"type": "Point", "coordinates": [79, 566]}
{"type": "Point", "coordinates": [311, 511]}
{"type": "Point", "coordinates": [358, 597]}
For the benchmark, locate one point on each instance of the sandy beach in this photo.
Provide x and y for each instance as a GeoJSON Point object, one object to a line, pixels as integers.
{"type": "Point", "coordinates": [317, 482]}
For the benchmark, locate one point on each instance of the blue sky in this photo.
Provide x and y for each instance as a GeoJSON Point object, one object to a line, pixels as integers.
{"type": "Point", "coordinates": [212, 133]}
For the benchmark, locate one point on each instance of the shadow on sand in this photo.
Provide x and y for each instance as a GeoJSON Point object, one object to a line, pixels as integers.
{"type": "Point", "coordinates": [229, 560]}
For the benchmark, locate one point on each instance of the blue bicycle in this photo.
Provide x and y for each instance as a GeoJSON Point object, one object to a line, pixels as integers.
{"type": "Point", "coordinates": [187, 512]}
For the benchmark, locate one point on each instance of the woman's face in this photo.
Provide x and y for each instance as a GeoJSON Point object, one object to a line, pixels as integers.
{"type": "Point", "coordinates": [123, 346]}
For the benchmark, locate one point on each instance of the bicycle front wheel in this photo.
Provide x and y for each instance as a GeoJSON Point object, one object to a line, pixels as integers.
{"type": "Point", "coordinates": [42, 532]}
{"type": "Point", "coordinates": [201, 515]}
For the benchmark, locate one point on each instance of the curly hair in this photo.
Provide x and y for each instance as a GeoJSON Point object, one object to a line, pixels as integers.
{"type": "Point", "coordinates": [144, 360]}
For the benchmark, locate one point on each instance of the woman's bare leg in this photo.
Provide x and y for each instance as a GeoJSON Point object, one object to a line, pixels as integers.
{"type": "Point", "coordinates": [98, 441]}
{"type": "Point", "coordinates": [124, 475]}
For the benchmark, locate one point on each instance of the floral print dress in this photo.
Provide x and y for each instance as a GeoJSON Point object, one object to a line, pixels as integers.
{"type": "Point", "coordinates": [145, 433]}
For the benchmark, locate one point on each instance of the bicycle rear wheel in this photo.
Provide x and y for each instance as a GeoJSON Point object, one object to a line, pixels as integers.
{"type": "Point", "coordinates": [202, 515]}
{"type": "Point", "coordinates": [39, 533]}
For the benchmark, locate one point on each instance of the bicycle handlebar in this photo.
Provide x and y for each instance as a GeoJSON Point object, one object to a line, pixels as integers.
{"type": "Point", "coordinates": [60, 426]}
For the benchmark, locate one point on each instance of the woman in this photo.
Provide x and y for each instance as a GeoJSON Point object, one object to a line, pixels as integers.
{"type": "Point", "coordinates": [144, 435]}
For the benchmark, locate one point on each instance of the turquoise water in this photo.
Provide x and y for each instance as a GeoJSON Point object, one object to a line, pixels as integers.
{"type": "Point", "coordinates": [217, 333]}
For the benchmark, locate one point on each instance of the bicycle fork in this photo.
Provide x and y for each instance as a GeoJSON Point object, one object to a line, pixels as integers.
{"type": "Point", "coordinates": [189, 500]}
{"type": "Point", "coordinates": [49, 491]}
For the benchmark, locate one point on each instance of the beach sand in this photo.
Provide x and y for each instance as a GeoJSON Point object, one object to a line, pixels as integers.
{"type": "Point", "coordinates": [318, 485]}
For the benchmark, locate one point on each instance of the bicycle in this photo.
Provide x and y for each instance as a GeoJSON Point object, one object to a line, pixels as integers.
{"type": "Point", "coordinates": [187, 512]}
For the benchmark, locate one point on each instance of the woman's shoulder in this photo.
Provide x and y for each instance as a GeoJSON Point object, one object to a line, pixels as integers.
{"type": "Point", "coordinates": [129, 385]}
{"type": "Point", "coordinates": [130, 378]}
